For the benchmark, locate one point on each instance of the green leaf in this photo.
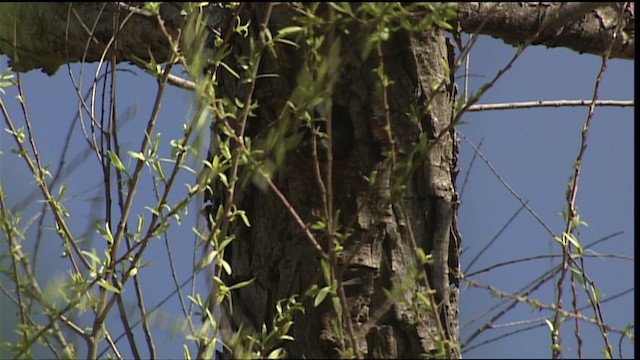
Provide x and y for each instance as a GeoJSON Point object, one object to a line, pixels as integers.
{"type": "Point", "coordinates": [276, 354]}
{"type": "Point", "coordinates": [224, 150]}
{"type": "Point", "coordinates": [140, 224]}
{"type": "Point", "coordinates": [244, 217]}
{"type": "Point", "coordinates": [574, 241]}
{"type": "Point", "coordinates": [313, 290]}
{"type": "Point", "coordinates": [225, 265]}
{"type": "Point", "coordinates": [116, 161]}
{"type": "Point", "coordinates": [230, 70]}
{"type": "Point", "coordinates": [151, 7]}
{"type": "Point", "coordinates": [549, 324]}
{"type": "Point", "coordinates": [62, 190]}
{"type": "Point", "coordinates": [343, 7]}
{"type": "Point", "coordinates": [559, 239]}
{"type": "Point", "coordinates": [337, 306]}
{"type": "Point", "coordinates": [136, 155]}
{"type": "Point", "coordinates": [326, 271]}
{"type": "Point", "coordinates": [318, 225]}
{"type": "Point", "coordinates": [133, 272]}
{"type": "Point", "coordinates": [6, 80]}
{"type": "Point", "coordinates": [241, 284]}
{"type": "Point", "coordinates": [107, 234]}
{"type": "Point", "coordinates": [290, 30]}
{"type": "Point", "coordinates": [577, 275]}
{"type": "Point", "coordinates": [322, 294]}
{"type": "Point", "coordinates": [108, 286]}
{"type": "Point", "coordinates": [206, 260]}
{"type": "Point", "coordinates": [595, 293]}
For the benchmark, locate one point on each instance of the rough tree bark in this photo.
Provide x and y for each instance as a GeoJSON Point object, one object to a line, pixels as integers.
{"type": "Point", "coordinates": [52, 34]}
{"type": "Point", "coordinates": [384, 241]}
{"type": "Point", "coordinates": [586, 27]}
{"type": "Point", "coordinates": [274, 250]}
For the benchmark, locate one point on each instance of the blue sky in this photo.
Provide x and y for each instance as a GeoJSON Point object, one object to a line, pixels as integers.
{"type": "Point", "coordinates": [533, 150]}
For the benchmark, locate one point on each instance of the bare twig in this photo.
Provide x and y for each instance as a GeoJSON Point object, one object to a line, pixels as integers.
{"type": "Point", "coordinates": [540, 323]}
{"type": "Point", "coordinates": [549, 103]}
{"type": "Point", "coordinates": [496, 236]}
{"type": "Point", "coordinates": [553, 308]}
{"type": "Point", "coordinates": [506, 185]}
{"type": "Point", "coordinates": [545, 256]}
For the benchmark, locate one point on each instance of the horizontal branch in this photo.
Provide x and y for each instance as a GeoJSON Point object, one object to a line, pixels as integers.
{"type": "Point", "coordinates": [49, 35]}
{"type": "Point", "coordinates": [549, 103]}
{"type": "Point", "coordinates": [581, 27]}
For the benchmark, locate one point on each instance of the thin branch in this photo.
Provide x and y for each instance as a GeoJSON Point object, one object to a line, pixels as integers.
{"type": "Point", "coordinates": [486, 247]}
{"type": "Point", "coordinates": [532, 327]}
{"type": "Point", "coordinates": [468, 172]}
{"type": "Point", "coordinates": [539, 305]}
{"type": "Point", "coordinates": [298, 220]}
{"type": "Point", "coordinates": [172, 266]}
{"type": "Point", "coordinates": [524, 291]}
{"type": "Point", "coordinates": [181, 82]}
{"type": "Point", "coordinates": [506, 185]}
{"type": "Point", "coordinates": [549, 103]}
{"type": "Point", "coordinates": [151, 311]}
{"type": "Point", "coordinates": [570, 227]}
{"type": "Point", "coordinates": [545, 256]}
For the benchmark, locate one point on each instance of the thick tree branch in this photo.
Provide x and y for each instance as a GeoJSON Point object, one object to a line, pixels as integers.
{"type": "Point", "coordinates": [49, 35]}
{"type": "Point", "coordinates": [582, 27]}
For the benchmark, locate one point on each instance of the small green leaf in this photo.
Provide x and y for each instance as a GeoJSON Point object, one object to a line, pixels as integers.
{"type": "Point", "coordinates": [107, 234]}
{"type": "Point", "coordinates": [108, 286]}
{"type": "Point", "coordinates": [62, 190]}
{"type": "Point", "coordinates": [244, 217]}
{"type": "Point", "coordinates": [337, 306]}
{"type": "Point", "coordinates": [276, 354]}
{"type": "Point", "coordinates": [290, 30]}
{"type": "Point", "coordinates": [116, 161]}
{"type": "Point", "coordinates": [140, 224]}
{"type": "Point", "coordinates": [574, 241]}
{"type": "Point", "coordinates": [225, 265]}
{"type": "Point", "coordinates": [230, 70]}
{"type": "Point", "coordinates": [595, 293]}
{"type": "Point", "coordinates": [577, 275]}
{"type": "Point", "coordinates": [241, 284]}
{"type": "Point", "coordinates": [559, 240]}
{"type": "Point", "coordinates": [152, 7]}
{"type": "Point", "coordinates": [549, 324]}
{"type": "Point", "coordinates": [206, 260]}
{"type": "Point", "coordinates": [318, 225]}
{"type": "Point", "coordinates": [136, 155]}
{"type": "Point", "coordinates": [322, 294]}
{"type": "Point", "coordinates": [133, 272]}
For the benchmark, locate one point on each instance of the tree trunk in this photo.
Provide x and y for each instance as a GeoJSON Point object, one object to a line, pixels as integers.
{"type": "Point", "coordinates": [385, 234]}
